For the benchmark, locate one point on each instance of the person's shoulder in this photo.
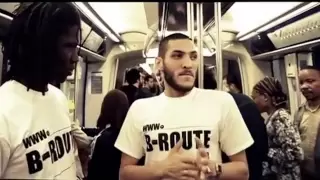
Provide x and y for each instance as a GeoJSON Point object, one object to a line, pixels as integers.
{"type": "Point", "coordinates": [241, 99]}
{"type": "Point", "coordinates": [54, 91]}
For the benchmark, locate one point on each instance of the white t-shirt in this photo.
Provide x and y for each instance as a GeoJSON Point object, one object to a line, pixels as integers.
{"type": "Point", "coordinates": [35, 134]}
{"type": "Point", "coordinates": [153, 125]}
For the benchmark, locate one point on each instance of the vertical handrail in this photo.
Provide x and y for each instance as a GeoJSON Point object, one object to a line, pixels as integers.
{"type": "Point", "coordinates": [219, 60]}
{"type": "Point", "coordinates": [200, 43]}
{"type": "Point", "coordinates": [190, 19]}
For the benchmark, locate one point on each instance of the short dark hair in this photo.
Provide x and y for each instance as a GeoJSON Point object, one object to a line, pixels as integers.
{"type": "Point", "coordinates": [147, 77]}
{"type": "Point", "coordinates": [163, 45]}
{"type": "Point", "coordinates": [233, 79]}
{"type": "Point", "coordinates": [30, 47]}
{"type": "Point", "coordinates": [132, 76]}
{"type": "Point", "coordinates": [311, 67]}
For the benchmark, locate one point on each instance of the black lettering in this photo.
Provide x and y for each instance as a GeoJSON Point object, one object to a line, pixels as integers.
{"type": "Point", "coordinates": [187, 139]}
{"type": "Point", "coordinates": [206, 139]}
{"type": "Point", "coordinates": [148, 141]}
{"type": "Point", "coordinates": [34, 162]}
{"type": "Point", "coordinates": [144, 128]}
{"type": "Point", "coordinates": [198, 133]}
{"type": "Point", "coordinates": [26, 142]}
{"type": "Point", "coordinates": [53, 152]}
{"type": "Point", "coordinates": [156, 126]}
{"type": "Point", "coordinates": [174, 138]}
{"type": "Point", "coordinates": [34, 138]}
{"type": "Point", "coordinates": [42, 134]}
{"type": "Point", "coordinates": [66, 140]}
{"type": "Point", "coordinates": [149, 127]}
{"type": "Point", "coordinates": [59, 145]}
{"type": "Point", "coordinates": [163, 142]}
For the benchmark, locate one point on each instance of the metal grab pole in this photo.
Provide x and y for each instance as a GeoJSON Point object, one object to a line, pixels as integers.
{"type": "Point", "coordinates": [200, 43]}
{"type": "Point", "coordinates": [219, 60]}
{"type": "Point", "coordinates": [190, 19]}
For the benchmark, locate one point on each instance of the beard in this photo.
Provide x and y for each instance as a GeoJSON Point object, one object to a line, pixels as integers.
{"type": "Point", "coordinates": [169, 78]}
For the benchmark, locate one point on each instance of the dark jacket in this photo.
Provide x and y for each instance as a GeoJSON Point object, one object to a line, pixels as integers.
{"type": "Point", "coordinates": [256, 153]}
{"type": "Point", "coordinates": [133, 93]}
{"type": "Point", "coordinates": [105, 161]}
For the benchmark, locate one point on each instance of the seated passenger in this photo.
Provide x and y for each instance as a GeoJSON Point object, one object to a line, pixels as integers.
{"type": "Point", "coordinates": [256, 153]}
{"type": "Point", "coordinates": [285, 152]}
{"type": "Point", "coordinates": [105, 161]}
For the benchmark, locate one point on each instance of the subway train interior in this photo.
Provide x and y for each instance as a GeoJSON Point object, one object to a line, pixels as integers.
{"type": "Point", "coordinates": [249, 39]}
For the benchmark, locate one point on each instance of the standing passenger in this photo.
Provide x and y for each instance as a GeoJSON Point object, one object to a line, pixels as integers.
{"type": "Point", "coordinates": [35, 129]}
{"type": "Point", "coordinates": [256, 153]}
{"type": "Point", "coordinates": [232, 83]}
{"type": "Point", "coordinates": [285, 152]}
{"type": "Point", "coordinates": [307, 119]}
{"type": "Point", "coordinates": [134, 83]}
{"type": "Point", "coordinates": [163, 128]}
{"type": "Point", "coordinates": [104, 155]}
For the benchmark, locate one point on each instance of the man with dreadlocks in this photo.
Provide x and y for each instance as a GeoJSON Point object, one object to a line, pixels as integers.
{"type": "Point", "coordinates": [35, 129]}
{"type": "Point", "coordinates": [285, 152]}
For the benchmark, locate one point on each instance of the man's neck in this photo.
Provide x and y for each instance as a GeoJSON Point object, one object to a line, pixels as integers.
{"type": "Point", "coordinates": [313, 103]}
{"type": "Point", "coordinates": [170, 92]}
{"type": "Point", "coordinates": [33, 86]}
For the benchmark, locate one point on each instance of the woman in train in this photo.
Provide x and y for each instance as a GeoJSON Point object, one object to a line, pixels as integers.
{"type": "Point", "coordinates": [105, 158]}
{"type": "Point", "coordinates": [285, 152]}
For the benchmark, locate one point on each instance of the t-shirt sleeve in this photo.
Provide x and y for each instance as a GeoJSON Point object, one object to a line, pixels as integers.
{"type": "Point", "coordinates": [234, 135]}
{"type": "Point", "coordinates": [130, 139]}
{"type": "Point", "coordinates": [4, 146]}
{"type": "Point", "coordinates": [83, 141]}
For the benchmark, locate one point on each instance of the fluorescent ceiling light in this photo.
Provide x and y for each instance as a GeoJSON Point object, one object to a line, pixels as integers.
{"type": "Point", "coordinates": [279, 21]}
{"type": "Point", "coordinates": [6, 16]}
{"type": "Point", "coordinates": [248, 36]}
{"type": "Point", "coordinates": [288, 16]}
{"type": "Point", "coordinates": [123, 16]}
{"type": "Point", "coordinates": [96, 21]}
{"type": "Point", "coordinates": [152, 53]}
{"type": "Point", "coordinates": [247, 16]}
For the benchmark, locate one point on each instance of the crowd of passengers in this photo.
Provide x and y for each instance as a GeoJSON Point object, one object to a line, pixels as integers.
{"type": "Point", "coordinates": [284, 148]}
{"type": "Point", "coordinates": [41, 48]}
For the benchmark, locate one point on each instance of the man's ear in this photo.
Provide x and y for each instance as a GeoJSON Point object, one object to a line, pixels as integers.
{"type": "Point", "coordinates": [159, 63]}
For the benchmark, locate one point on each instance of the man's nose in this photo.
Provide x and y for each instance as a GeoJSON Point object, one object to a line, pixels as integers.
{"type": "Point", "coordinates": [187, 63]}
{"type": "Point", "coordinates": [304, 86]}
{"type": "Point", "coordinates": [74, 58]}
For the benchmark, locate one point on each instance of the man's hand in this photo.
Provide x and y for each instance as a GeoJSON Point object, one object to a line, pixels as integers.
{"type": "Point", "coordinates": [178, 166]}
{"type": "Point", "coordinates": [207, 167]}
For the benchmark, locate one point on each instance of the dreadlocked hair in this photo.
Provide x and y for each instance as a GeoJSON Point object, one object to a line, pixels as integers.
{"type": "Point", "coordinates": [273, 88]}
{"type": "Point", "coordinates": [31, 45]}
